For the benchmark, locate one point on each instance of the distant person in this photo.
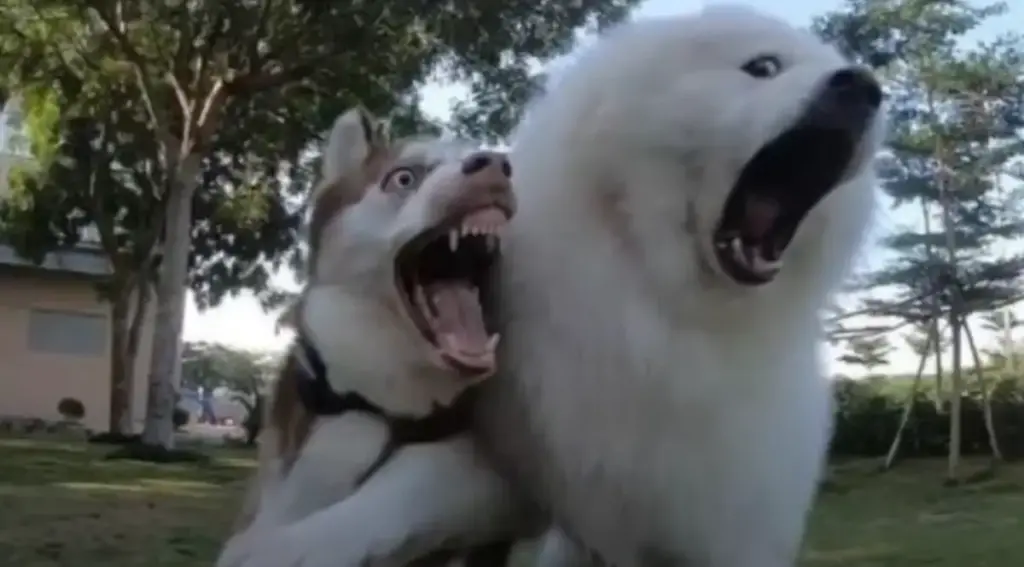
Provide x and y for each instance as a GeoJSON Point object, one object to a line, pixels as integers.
{"type": "Point", "coordinates": [206, 413]}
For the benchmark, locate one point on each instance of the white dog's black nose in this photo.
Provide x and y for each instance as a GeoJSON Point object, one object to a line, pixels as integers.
{"type": "Point", "coordinates": [854, 86]}
{"type": "Point", "coordinates": [847, 101]}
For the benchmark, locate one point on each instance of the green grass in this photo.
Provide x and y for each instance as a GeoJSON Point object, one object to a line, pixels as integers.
{"type": "Point", "coordinates": [907, 517]}
{"type": "Point", "coordinates": [63, 504]}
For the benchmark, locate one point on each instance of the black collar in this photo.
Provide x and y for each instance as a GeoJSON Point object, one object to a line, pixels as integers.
{"type": "Point", "coordinates": [319, 398]}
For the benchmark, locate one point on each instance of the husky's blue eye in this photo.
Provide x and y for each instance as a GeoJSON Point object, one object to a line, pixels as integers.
{"type": "Point", "coordinates": [763, 67]}
{"type": "Point", "coordinates": [400, 178]}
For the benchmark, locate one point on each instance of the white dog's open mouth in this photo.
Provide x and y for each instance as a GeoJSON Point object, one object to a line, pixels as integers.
{"type": "Point", "coordinates": [776, 189]}
{"type": "Point", "coordinates": [444, 280]}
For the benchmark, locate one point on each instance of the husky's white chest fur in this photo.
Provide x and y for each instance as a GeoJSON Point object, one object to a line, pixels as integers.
{"type": "Point", "coordinates": [366, 457]}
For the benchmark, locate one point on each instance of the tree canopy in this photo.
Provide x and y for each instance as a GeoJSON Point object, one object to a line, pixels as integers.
{"type": "Point", "coordinates": [952, 160]}
{"type": "Point", "coordinates": [221, 104]}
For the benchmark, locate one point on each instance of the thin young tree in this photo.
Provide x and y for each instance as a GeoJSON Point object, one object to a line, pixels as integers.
{"type": "Point", "coordinates": [955, 121]}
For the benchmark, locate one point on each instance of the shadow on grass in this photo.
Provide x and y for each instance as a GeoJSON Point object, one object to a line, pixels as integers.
{"type": "Point", "coordinates": [29, 462]}
{"type": "Point", "coordinates": [155, 454]}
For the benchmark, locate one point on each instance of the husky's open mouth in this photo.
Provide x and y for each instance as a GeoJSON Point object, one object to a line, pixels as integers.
{"type": "Point", "coordinates": [444, 281]}
{"type": "Point", "coordinates": [776, 190]}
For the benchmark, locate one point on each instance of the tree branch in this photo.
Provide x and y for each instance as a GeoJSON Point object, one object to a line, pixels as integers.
{"type": "Point", "coordinates": [115, 25]}
{"type": "Point", "coordinates": [260, 81]}
{"type": "Point", "coordinates": [209, 115]}
{"type": "Point", "coordinates": [255, 60]}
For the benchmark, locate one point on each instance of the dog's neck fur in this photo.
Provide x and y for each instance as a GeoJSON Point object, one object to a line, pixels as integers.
{"type": "Point", "coordinates": [415, 391]}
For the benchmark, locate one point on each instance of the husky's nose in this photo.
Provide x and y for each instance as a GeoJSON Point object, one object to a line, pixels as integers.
{"type": "Point", "coordinates": [481, 162]}
{"type": "Point", "coordinates": [486, 182]}
{"type": "Point", "coordinates": [487, 173]}
{"type": "Point", "coordinates": [854, 86]}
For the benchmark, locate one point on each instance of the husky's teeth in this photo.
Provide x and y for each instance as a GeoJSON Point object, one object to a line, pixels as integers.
{"type": "Point", "coordinates": [492, 343]}
{"type": "Point", "coordinates": [420, 297]}
{"type": "Point", "coordinates": [453, 239]}
{"type": "Point", "coordinates": [492, 242]}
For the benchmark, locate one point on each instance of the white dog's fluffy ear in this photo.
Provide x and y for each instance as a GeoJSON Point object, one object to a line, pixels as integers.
{"type": "Point", "coordinates": [354, 137]}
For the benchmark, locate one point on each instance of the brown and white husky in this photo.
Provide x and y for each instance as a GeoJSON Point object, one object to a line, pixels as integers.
{"type": "Point", "coordinates": [366, 423]}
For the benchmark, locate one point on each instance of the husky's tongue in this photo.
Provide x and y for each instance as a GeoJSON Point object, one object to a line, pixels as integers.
{"type": "Point", "coordinates": [459, 325]}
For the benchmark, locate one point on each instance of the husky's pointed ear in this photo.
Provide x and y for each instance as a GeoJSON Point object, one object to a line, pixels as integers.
{"type": "Point", "coordinates": [356, 135]}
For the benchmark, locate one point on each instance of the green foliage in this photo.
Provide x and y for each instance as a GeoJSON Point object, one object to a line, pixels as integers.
{"type": "Point", "coordinates": [956, 117]}
{"type": "Point", "coordinates": [868, 415]}
{"type": "Point", "coordinates": [273, 76]}
{"type": "Point", "coordinates": [214, 365]}
{"type": "Point", "coordinates": [868, 351]}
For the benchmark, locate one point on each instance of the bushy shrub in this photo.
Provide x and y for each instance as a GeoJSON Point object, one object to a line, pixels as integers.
{"type": "Point", "coordinates": [867, 418]}
{"type": "Point", "coordinates": [71, 409]}
{"type": "Point", "coordinates": [180, 417]}
{"type": "Point", "coordinates": [254, 419]}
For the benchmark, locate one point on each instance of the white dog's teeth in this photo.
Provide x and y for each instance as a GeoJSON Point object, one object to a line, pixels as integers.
{"type": "Point", "coordinates": [492, 343]}
{"type": "Point", "coordinates": [764, 265]}
{"type": "Point", "coordinates": [737, 251]}
{"type": "Point", "coordinates": [453, 239]}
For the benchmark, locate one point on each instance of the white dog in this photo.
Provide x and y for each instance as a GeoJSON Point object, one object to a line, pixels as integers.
{"type": "Point", "coordinates": [691, 192]}
{"type": "Point", "coordinates": [371, 412]}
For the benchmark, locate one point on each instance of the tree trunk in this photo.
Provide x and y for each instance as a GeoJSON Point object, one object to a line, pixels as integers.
{"type": "Point", "coordinates": [1008, 350]}
{"type": "Point", "coordinates": [908, 407]}
{"type": "Point", "coordinates": [953, 469]}
{"type": "Point", "coordinates": [986, 403]}
{"type": "Point", "coordinates": [138, 319]}
{"type": "Point", "coordinates": [951, 283]}
{"type": "Point", "coordinates": [940, 394]}
{"type": "Point", "coordinates": [121, 375]}
{"type": "Point", "coordinates": [936, 336]}
{"type": "Point", "coordinates": [171, 289]}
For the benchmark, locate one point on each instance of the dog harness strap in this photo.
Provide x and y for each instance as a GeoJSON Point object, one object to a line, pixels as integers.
{"type": "Point", "coordinates": [319, 398]}
{"type": "Point", "coordinates": [439, 424]}
{"type": "Point", "coordinates": [316, 394]}
{"type": "Point", "coordinates": [315, 391]}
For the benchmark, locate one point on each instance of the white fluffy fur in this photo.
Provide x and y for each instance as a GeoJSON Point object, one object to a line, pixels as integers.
{"type": "Point", "coordinates": [665, 414]}
{"type": "Point", "coordinates": [425, 495]}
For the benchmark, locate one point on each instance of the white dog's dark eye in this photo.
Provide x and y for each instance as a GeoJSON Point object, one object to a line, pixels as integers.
{"type": "Point", "coordinates": [400, 178]}
{"type": "Point", "coordinates": [763, 67]}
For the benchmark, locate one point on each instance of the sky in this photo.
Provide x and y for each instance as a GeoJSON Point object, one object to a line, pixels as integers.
{"type": "Point", "coordinates": [241, 322]}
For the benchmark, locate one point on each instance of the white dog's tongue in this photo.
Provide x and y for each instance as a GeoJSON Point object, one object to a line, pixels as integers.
{"type": "Point", "coordinates": [761, 215]}
{"type": "Point", "coordinates": [459, 324]}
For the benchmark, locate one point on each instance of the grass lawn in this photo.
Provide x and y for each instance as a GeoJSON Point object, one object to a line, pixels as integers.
{"type": "Point", "coordinates": [62, 504]}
